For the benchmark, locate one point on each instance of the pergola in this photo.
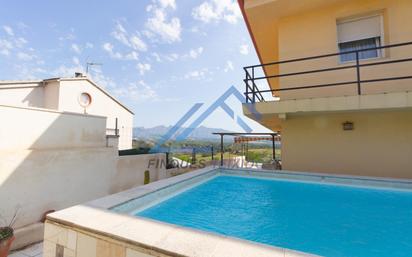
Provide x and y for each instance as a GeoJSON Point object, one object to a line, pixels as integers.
{"type": "Point", "coordinates": [248, 137]}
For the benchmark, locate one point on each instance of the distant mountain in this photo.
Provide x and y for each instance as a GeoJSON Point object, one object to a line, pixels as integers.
{"type": "Point", "coordinates": [200, 133]}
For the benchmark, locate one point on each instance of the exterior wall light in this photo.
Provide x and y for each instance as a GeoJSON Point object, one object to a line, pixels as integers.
{"type": "Point", "coordinates": [347, 125]}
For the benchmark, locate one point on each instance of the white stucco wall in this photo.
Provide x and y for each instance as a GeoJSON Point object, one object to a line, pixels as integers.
{"type": "Point", "coordinates": [102, 104]}
{"type": "Point", "coordinates": [35, 181]}
{"type": "Point", "coordinates": [30, 94]}
{"type": "Point", "coordinates": [32, 128]}
{"type": "Point", "coordinates": [63, 94]}
{"type": "Point", "coordinates": [51, 95]}
{"type": "Point", "coordinates": [130, 170]}
{"type": "Point", "coordinates": [51, 160]}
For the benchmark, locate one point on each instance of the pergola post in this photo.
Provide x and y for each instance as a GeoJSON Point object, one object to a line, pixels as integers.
{"type": "Point", "coordinates": [273, 147]}
{"type": "Point", "coordinates": [247, 151]}
{"type": "Point", "coordinates": [245, 143]}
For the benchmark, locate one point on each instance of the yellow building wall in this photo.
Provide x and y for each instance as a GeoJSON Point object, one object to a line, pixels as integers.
{"type": "Point", "coordinates": [314, 32]}
{"type": "Point", "coordinates": [267, 45]}
{"type": "Point", "coordinates": [380, 144]}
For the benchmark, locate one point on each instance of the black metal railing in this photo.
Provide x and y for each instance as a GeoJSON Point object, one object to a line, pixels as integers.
{"type": "Point", "coordinates": [253, 93]}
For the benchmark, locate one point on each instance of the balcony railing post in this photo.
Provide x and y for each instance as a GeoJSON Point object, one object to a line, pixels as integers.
{"type": "Point", "coordinates": [253, 84]}
{"type": "Point", "coordinates": [253, 89]}
{"type": "Point", "coordinates": [247, 94]}
{"type": "Point", "coordinates": [247, 86]}
{"type": "Point", "coordinates": [358, 73]}
{"type": "Point", "coordinates": [253, 95]}
{"type": "Point", "coordinates": [247, 79]}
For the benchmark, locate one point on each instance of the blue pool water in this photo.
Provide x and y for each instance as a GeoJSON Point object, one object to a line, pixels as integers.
{"type": "Point", "coordinates": [322, 219]}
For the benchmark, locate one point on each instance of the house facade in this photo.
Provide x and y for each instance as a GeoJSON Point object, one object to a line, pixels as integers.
{"type": "Point", "coordinates": [335, 80]}
{"type": "Point", "coordinates": [59, 148]}
{"type": "Point", "coordinates": [78, 95]}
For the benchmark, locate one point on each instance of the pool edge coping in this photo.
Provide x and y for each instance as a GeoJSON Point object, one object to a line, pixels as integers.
{"type": "Point", "coordinates": [96, 217]}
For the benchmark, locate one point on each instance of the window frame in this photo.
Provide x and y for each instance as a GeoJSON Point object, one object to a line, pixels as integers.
{"type": "Point", "coordinates": [377, 41]}
{"type": "Point", "coordinates": [381, 52]}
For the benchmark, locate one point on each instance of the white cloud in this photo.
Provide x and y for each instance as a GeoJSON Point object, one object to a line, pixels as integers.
{"type": "Point", "coordinates": [244, 49]}
{"type": "Point", "coordinates": [168, 3]}
{"type": "Point", "coordinates": [132, 41]}
{"type": "Point", "coordinates": [25, 71]}
{"type": "Point", "coordinates": [138, 91]}
{"type": "Point", "coordinates": [142, 91]}
{"type": "Point", "coordinates": [132, 56]}
{"type": "Point", "coordinates": [8, 30]}
{"type": "Point", "coordinates": [108, 47]}
{"type": "Point", "coordinates": [205, 12]}
{"type": "Point", "coordinates": [197, 30]}
{"type": "Point", "coordinates": [168, 57]}
{"type": "Point", "coordinates": [229, 66]}
{"type": "Point", "coordinates": [217, 10]}
{"type": "Point", "coordinates": [12, 42]}
{"type": "Point", "coordinates": [171, 57]}
{"type": "Point", "coordinates": [157, 57]}
{"type": "Point", "coordinates": [25, 56]}
{"type": "Point", "coordinates": [5, 46]}
{"type": "Point", "coordinates": [120, 34]}
{"type": "Point", "coordinates": [22, 26]}
{"type": "Point", "coordinates": [18, 48]}
{"type": "Point", "coordinates": [194, 53]}
{"type": "Point", "coordinates": [67, 71]}
{"type": "Point", "coordinates": [138, 43]}
{"type": "Point", "coordinates": [102, 80]}
{"type": "Point", "coordinates": [89, 45]}
{"type": "Point", "coordinates": [20, 42]}
{"type": "Point", "coordinates": [169, 30]}
{"type": "Point", "coordinates": [76, 48]}
{"type": "Point", "coordinates": [76, 60]}
{"type": "Point", "coordinates": [67, 36]}
{"type": "Point", "coordinates": [197, 74]}
{"type": "Point", "coordinates": [143, 68]}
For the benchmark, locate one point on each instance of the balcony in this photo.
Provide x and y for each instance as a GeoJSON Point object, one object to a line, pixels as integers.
{"type": "Point", "coordinates": [356, 83]}
{"type": "Point", "coordinates": [323, 84]}
{"type": "Point", "coordinates": [326, 84]}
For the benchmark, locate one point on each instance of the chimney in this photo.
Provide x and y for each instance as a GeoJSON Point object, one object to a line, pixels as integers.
{"type": "Point", "coordinates": [78, 75]}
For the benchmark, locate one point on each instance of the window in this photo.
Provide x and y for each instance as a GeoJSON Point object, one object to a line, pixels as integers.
{"type": "Point", "coordinates": [358, 34]}
{"type": "Point", "coordinates": [359, 45]}
{"type": "Point", "coordinates": [85, 99]}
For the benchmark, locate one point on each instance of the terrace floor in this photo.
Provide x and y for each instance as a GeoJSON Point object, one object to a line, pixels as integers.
{"type": "Point", "coordinates": [35, 250]}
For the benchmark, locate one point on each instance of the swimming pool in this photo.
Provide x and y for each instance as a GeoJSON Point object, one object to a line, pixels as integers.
{"type": "Point", "coordinates": [319, 218]}
{"type": "Point", "coordinates": [217, 212]}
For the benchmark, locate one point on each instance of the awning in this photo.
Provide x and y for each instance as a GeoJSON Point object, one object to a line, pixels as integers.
{"type": "Point", "coordinates": [253, 139]}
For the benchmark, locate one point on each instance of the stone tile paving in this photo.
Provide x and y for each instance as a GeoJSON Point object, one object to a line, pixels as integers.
{"type": "Point", "coordinates": [35, 250]}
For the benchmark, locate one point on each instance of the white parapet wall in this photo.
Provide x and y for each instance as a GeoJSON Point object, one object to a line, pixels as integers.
{"type": "Point", "coordinates": [131, 168]}
{"type": "Point", "coordinates": [51, 160]}
{"type": "Point", "coordinates": [35, 128]}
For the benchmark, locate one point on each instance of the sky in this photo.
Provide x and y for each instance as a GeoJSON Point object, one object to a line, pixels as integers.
{"type": "Point", "coordinates": [158, 57]}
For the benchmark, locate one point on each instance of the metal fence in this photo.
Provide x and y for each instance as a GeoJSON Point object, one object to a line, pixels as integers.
{"type": "Point", "coordinates": [254, 94]}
